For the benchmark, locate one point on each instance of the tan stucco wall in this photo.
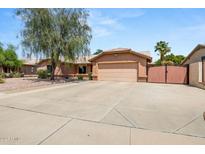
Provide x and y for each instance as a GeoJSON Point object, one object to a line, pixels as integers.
{"type": "Point", "coordinates": [94, 69]}
{"type": "Point", "coordinates": [195, 68]}
{"type": "Point", "coordinates": [196, 57]}
{"type": "Point", "coordinates": [195, 74]}
{"type": "Point", "coordinates": [204, 71]}
{"type": "Point", "coordinates": [142, 68]}
{"type": "Point", "coordinates": [42, 65]}
{"type": "Point", "coordinates": [200, 71]}
{"type": "Point", "coordinates": [64, 69]}
{"type": "Point", "coordinates": [142, 62]}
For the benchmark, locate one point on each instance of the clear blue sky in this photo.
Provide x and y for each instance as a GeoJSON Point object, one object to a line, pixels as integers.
{"type": "Point", "coordinates": [138, 29]}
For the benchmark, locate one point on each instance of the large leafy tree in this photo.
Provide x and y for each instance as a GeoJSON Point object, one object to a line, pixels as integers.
{"type": "Point", "coordinates": [98, 51]}
{"type": "Point", "coordinates": [176, 59]}
{"type": "Point", "coordinates": [171, 59]}
{"type": "Point", "coordinates": [2, 57]}
{"type": "Point", "coordinates": [11, 62]}
{"type": "Point", "coordinates": [55, 33]}
{"type": "Point", "coordinates": [163, 49]}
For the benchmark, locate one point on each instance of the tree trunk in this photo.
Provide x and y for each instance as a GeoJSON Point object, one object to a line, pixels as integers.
{"type": "Point", "coordinates": [161, 59]}
{"type": "Point", "coordinates": [53, 64]}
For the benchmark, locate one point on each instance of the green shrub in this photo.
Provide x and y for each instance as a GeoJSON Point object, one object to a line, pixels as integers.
{"type": "Point", "coordinates": [90, 77]}
{"type": "Point", "coordinates": [10, 75]}
{"type": "Point", "coordinates": [2, 75]}
{"type": "Point", "coordinates": [22, 74]}
{"type": "Point", "coordinates": [1, 81]}
{"type": "Point", "coordinates": [49, 75]}
{"type": "Point", "coordinates": [80, 77]}
{"type": "Point", "coordinates": [7, 75]}
{"type": "Point", "coordinates": [17, 75]}
{"type": "Point", "coordinates": [42, 74]}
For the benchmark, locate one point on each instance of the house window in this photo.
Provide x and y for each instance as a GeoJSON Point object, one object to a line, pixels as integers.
{"type": "Point", "coordinates": [82, 69]}
{"type": "Point", "coordinates": [49, 68]}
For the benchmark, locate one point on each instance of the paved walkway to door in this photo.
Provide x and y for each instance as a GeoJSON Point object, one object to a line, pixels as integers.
{"type": "Point", "coordinates": [96, 112]}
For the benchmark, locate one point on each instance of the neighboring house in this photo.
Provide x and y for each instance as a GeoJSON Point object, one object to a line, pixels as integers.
{"type": "Point", "coordinates": [121, 64]}
{"type": "Point", "coordinates": [29, 67]}
{"type": "Point", "coordinates": [72, 69]}
{"type": "Point", "coordinates": [196, 64]}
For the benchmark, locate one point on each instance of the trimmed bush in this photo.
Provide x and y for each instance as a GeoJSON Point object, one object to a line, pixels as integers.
{"type": "Point", "coordinates": [2, 75]}
{"type": "Point", "coordinates": [22, 74]}
{"type": "Point", "coordinates": [1, 81]}
{"type": "Point", "coordinates": [80, 77]}
{"type": "Point", "coordinates": [90, 77]}
{"type": "Point", "coordinates": [49, 75]}
{"type": "Point", "coordinates": [42, 74]}
{"type": "Point", "coordinates": [17, 75]}
{"type": "Point", "coordinates": [9, 75]}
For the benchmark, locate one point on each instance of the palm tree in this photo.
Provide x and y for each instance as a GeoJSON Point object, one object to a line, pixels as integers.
{"type": "Point", "coordinates": [163, 48]}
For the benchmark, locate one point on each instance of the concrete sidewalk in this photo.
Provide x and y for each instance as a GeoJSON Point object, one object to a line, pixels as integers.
{"type": "Point", "coordinates": [24, 127]}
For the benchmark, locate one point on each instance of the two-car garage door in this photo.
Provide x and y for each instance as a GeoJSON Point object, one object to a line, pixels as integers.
{"type": "Point", "coordinates": [117, 72]}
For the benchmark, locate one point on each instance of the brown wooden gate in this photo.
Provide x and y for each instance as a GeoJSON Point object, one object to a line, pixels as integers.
{"type": "Point", "coordinates": [167, 74]}
{"type": "Point", "coordinates": [156, 74]}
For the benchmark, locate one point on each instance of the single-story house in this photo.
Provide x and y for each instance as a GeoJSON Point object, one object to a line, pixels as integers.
{"type": "Point", "coordinates": [196, 64]}
{"type": "Point", "coordinates": [120, 64]}
{"type": "Point", "coordinates": [81, 66]}
{"type": "Point", "coordinates": [29, 67]}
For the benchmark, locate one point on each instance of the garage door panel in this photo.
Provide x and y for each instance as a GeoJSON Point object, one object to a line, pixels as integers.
{"type": "Point", "coordinates": [117, 66]}
{"type": "Point", "coordinates": [118, 72]}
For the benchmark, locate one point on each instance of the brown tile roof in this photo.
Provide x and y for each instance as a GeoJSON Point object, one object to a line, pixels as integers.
{"type": "Point", "coordinates": [79, 60]}
{"type": "Point", "coordinates": [83, 59]}
{"type": "Point", "coordinates": [118, 49]}
{"type": "Point", "coordinates": [88, 59]}
{"type": "Point", "coordinates": [121, 50]}
{"type": "Point", "coordinates": [30, 61]}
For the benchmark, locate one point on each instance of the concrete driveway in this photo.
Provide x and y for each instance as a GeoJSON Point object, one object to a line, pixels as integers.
{"type": "Point", "coordinates": [95, 112]}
